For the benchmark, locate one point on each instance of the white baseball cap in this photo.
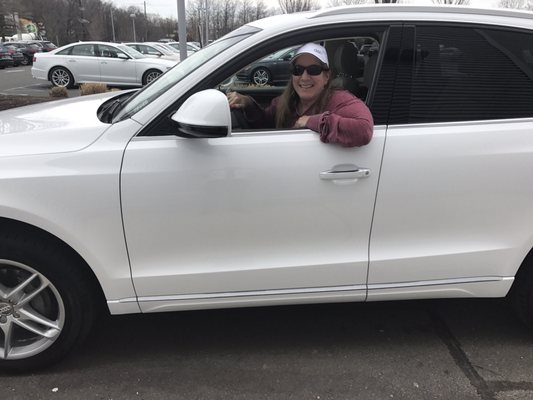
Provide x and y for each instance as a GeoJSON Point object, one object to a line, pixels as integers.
{"type": "Point", "coordinates": [315, 50]}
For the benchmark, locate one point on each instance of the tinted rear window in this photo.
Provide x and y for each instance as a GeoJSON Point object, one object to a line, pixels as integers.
{"type": "Point", "coordinates": [465, 74]}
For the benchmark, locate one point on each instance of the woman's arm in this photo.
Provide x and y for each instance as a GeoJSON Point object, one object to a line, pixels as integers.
{"type": "Point", "coordinates": [347, 121]}
{"type": "Point", "coordinates": [257, 116]}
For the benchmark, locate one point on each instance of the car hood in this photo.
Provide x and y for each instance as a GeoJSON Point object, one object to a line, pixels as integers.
{"type": "Point", "coordinates": [52, 127]}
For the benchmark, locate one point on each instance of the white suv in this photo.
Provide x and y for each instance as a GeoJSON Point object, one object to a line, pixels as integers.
{"type": "Point", "coordinates": [156, 201]}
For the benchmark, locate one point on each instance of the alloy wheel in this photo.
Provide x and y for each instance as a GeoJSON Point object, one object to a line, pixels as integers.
{"type": "Point", "coordinates": [32, 313]}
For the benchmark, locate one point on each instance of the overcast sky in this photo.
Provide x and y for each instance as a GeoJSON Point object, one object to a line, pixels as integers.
{"type": "Point", "coordinates": [168, 8]}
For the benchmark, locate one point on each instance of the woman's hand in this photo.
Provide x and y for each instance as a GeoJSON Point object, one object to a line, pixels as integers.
{"type": "Point", "coordinates": [237, 100]}
{"type": "Point", "coordinates": [301, 122]}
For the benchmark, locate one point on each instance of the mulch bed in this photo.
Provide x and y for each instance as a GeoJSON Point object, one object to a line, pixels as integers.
{"type": "Point", "coordinates": [7, 102]}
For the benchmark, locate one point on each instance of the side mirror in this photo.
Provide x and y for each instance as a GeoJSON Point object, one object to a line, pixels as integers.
{"type": "Point", "coordinates": [205, 114]}
{"type": "Point", "coordinates": [122, 56]}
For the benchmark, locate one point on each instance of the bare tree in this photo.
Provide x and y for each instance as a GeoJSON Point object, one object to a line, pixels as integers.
{"type": "Point", "coordinates": [292, 6]}
{"type": "Point", "coordinates": [454, 2]}
{"type": "Point", "coordinates": [246, 12]}
{"type": "Point", "coordinates": [261, 10]}
{"type": "Point", "coordinates": [224, 18]}
{"type": "Point", "coordinates": [335, 3]}
{"type": "Point", "coordinates": [66, 21]}
{"type": "Point", "coordinates": [511, 4]}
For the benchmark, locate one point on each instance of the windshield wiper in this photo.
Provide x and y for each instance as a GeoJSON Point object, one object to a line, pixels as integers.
{"type": "Point", "coordinates": [113, 109]}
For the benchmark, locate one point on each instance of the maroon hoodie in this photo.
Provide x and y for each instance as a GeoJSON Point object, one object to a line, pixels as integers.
{"type": "Point", "coordinates": [346, 120]}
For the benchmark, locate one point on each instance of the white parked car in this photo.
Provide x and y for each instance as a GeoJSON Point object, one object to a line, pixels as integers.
{"type": "Point", "coordinates": [85, 62]}
{"type": "Point", "coordinates": [155, 50]}
{"type": "Point", "coordinates": [191, 47]}
{"type": "Point", "coordinates": [155, 200]}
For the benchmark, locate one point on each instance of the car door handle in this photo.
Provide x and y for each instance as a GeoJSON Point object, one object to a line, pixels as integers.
{"type": "Point", "coordinates": [345, 171]}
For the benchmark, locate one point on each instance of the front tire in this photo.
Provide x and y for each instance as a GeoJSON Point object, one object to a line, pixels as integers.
{"type": "Point", "coordinates": [46, 308]}
{"type": "Point", "coordinates": [150, 76]}
{"type": "Point", "coordinates": [61, 77]}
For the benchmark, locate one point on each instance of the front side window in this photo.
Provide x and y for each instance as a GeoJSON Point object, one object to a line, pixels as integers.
{"type": "Point", "coordinates": [352, 63]}
{"type": "Point", "coordinates": [107, 51]}
{"type": "Point", "coordinates": [352, 53]}
{"type": "Point", "coordinates": [464, 74]}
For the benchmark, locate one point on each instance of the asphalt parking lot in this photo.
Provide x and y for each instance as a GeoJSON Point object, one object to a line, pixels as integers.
{"type": "Point", "coordinates": [18, 81]}
{"type": "Point", "coordinates": [445, 349]}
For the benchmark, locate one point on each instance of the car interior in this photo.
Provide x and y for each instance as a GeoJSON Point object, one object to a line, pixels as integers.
{"type": "Point", "coordinates": [352, 64]}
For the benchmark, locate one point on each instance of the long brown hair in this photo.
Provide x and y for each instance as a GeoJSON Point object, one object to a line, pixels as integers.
{"type": "Point", "coordinates": [289, 101]}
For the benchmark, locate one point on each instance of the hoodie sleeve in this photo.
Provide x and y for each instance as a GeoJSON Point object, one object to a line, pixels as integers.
{"type": "Point", "coordinates": [347, 121]}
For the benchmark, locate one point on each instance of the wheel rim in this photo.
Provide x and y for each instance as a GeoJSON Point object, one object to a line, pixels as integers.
{"type": "Point", "coordinates": [60, 77]}
{"type": "Point", "coordinates": [32, 313]}
{"type": "Point", "coordinates": [261, 77]}
{"type": "Point", "coordinates": [152, 76]}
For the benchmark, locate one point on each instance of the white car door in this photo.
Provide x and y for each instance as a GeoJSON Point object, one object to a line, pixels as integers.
{"type": "Point", "coordinates": [83, 63]}
{"type": "Point", "coordinates": [247, 215]}
{"type": "Point", "coordinates": [114, 69]}
{"type": "Point", "coordinates": [453, 215]}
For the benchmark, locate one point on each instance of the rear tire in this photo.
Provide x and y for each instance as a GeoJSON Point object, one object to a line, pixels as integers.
{"type": "Point", "coordinates": [521, 294]}
{"type": "Point", "coordinates": [46, 306]}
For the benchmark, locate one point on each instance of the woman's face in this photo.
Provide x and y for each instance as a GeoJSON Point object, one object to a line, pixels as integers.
{"type": "Point", "coordinates": [308, 86]}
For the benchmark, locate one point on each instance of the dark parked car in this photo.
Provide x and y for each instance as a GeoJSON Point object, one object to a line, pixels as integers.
{"type": "Point", "coordinates": [5, 57]}
{"type": "Point", "coordinates": [16, 54]}
{"type": "Point", "coordinates": [28, 50]}
{"type": "Point", "coordinates": [45, 45]}
{"type": "Point", "coordinates": [273, 69]}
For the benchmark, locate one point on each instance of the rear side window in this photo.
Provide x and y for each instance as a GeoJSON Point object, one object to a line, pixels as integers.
{"type": "Point", "coordinates": [78, 50]}
{"type": "Point", "coordinates": [463, 74]}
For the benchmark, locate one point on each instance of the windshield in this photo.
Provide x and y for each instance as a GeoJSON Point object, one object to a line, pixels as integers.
{"type": "Point", "coordinates": [164, 49]}
{"type": "Point", "coordinates": [181, 70]}
{"type": "Point", "coordinates": [130, 51]}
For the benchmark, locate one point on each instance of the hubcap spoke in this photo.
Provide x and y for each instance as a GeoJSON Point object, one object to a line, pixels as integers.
{"type": "Point", "coordinates": [19, 290]}
{"type": "Point", "coordinates": [29, 297]}
{"type": "Point", "coordinates": [3, 292]}
{"type": "Point", "coordinates": [37, 324]}
{"type": "Point", "coordinates": [7, 328]}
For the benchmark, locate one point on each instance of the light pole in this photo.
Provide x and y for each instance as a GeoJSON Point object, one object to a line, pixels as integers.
{"type": "Point", "coordinates": [113, 25]}
{"type": "Point", "coordinates": [182, 30]}
{"type": "Point", "coordinates": [133, 21]}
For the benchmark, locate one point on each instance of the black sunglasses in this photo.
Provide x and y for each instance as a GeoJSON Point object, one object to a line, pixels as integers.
{"type": "Point", "coordinates": [298, 70]}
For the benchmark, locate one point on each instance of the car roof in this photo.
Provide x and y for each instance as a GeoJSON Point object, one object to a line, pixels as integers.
{"type": "Point", "coordinates": [434, 9]}
{"type": "Point", "coordinates": [397, 12]}
{"type": "Point", "coordinates": [93, 42]}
